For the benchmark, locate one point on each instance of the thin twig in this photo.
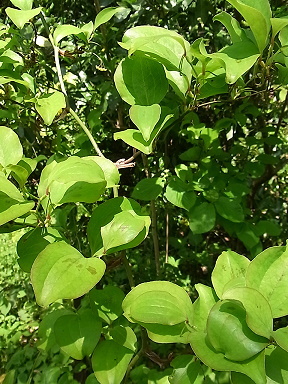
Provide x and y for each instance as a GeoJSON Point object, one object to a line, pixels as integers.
{"type": "Point", "coordinates": [128, 269]}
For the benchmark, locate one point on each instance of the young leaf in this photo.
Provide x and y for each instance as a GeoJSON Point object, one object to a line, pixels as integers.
{"type": "Point", "coordinates": [230, 266]}
{"type": "Point", "coordinates": [202, 306]}
{"type": "Point", "coordinates": [61, 272]}
{"type": "Point", "coordinates": [110, 171]}
{"type": "Point", "coordinates": [202, 218]}
{"type": "Point", "coordinates": [65, 30]}
{"type": "Point", "coordinates": [110, 361]}
{"type": "Point", "coordinates": [148, 189]}
{"type": "Point", "coordinates": [268, 273]}
{"type": "Point", "coordinates": [11, 151]}
{"type": "Point", "coordinates": [141, 81]}
{"type": "Point", "coordinates": [145, 117]}
{"type": "Point", "coordinates": [21, 17]}
{"type": "Point", "coordinates": [106, 14]}
{"type": "Point", "coordinates": [107, 303]}
{"type": "Point", "coordinates": [49, 105]}
{"type": "Point", "coordinates": [25, 5]}
{"type": "Point", "coordinates": [77, 334]}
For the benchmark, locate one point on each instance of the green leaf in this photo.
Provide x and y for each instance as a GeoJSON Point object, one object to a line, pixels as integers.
{"type": "Point", "coordinates": [159, 302]}
{"type": "Point", "coordinates": [236, 33]}
{"type": "Point", "coordinates": [281, 338]}
{"type": "Point", "coordinates": [186, 370]}
{"type": "Point", "coordinates": [110, 171]}
{"type": "Point", "coordinates": [177, 192]}
{"type": "Point", "coordinates": [141, 81]}
{"type": "Point", "coordinates": [254, 368]}
{"type": "Point", "coordinates": [11, 150]}
{"type": "Point", "coordinates": [64, 30]}
{"type": "Point", "coordinates": [230, 266]}
{"type": "Point", "coordinates": [46, 338]}
{"type": "Point", "coordinates": [61, 272]}
{"type": "Point", "coordinates": [110, 362]}
{"type": "Point", "coordinates": [148, 189]}
{"type": "Point", "coordinates": [239, 378]}
{"type": "Point", "coordinates": [25, 5]}
{"type": "Point", "coordinates": [258, 311]}
{"type": "Point", "coordinates": [267, 226]}
{"type": "Point", "coordinates": [49, 105]}
{"type": "Point", "coordinates": [202, 306]}
{"type": "Point", "coordinates": [72, 180]}
{"type": "Point", "coordinates": [268, 274]}
{"type": "Point", "coordinates": [21, 17]}
{"type": "Point", "coordinates": [20, 174]}
{"type": "Point", "coordinates": [202, 218]}
{"type": "Point", "coordinates": [229, 333]}
{"type": "Point", "coordinates": [145, 117]}
{"type": "Point", "coordinates": [276, 365]}
{"type": "Point", "coordinates": [32, 243]}
{"type": "Point", "coordinates": [107, 217]}
{"type": "Point", "coordinates": [229, 209]}
{"type": "Point", "coordinates": [125, 337]}
{"type": "Point", "coordinates": [106, 14]}
{"type": "Point", "coordinates": [77, 334]}
{"type": "Point", "coordinates": [159, 333]}
{"type": "Point", "coordinates": [278, 24]}
{"type": "Point", "coordinates": [257, 14]}
{"type": "Point", "coordinates": [107, 303]}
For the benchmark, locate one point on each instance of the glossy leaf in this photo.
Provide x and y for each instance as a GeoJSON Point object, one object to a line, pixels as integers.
{"type": "Point", "coordinates": [61, 272]}
{"type": "Point", "coordinates": [110, 361]}
{"type": "Point", "coordinates": [72, 180]}
{"type": "Point", "coordinates": [203, 305]}
{"type": "Point", "coordinates": [49, 105]}
{"type": "Point", "coordinates": [110, 171]}
{"type": "Point", "coordinates": [107, 302]}
{"type": "Point", "coordinates": [11, 151]}
{"type": "Point", "coordinates": [281, 337]}
{"type": "Point", "coordinates": [278, 24]}
{"type": "Point", "coordinates": [229, 266]}
{"type": "Point", "coordinates": [21, 17]}
{"type": "Point", "coordinates": [25, 5]}
{"type": "Point", "coordinates": [178, 193]}
{"type": "Point", "coordinates": [124, 336]}
{"type": "Point", "coordinates": [32, 243]}
{"type": "Point", "coordinates": [158, 302]}
{"type": "Point", "coordinates": [186, 370]}
{"type": "Point", "coordinates": [141, 81]}
{"type": "Point", "coordinates": [268, 273]}
{"type": "Point", "coordinates": [258, 312]}
{"type": "Point", "coordinates": [254, 368]}
{"type": "Point", "coordinates": [77, 334]}
{"type": "Point", "coordinates": [229, 209]}
{"type": "Point", "coordinates": [148, 189]}
{"type": "Point", "coordinates": [145, 117]}
{"type": "Point", "coordinates": [105, 218]}
{"type": "Point", "coordinates": [257, 15]}
{"type": "Point", "coordinates": [106, 14]}
{"type": "Point", "coordinates": [202, 218]}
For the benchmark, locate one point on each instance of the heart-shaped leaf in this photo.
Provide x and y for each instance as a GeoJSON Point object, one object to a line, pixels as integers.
{"type": "Point", "coordinates": [21, 17]}
{"type": "Point", "coordinates": [49, 105]}
{"type": "Point", "coordinates": [25, 5]}
{"type": "Point", "coordinates": [61, 272]}
{"type": "Point", "coordinates": [145, 117]}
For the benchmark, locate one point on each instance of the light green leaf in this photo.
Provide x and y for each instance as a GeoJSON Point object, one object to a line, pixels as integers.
{"type": "Point", "coordinates": [257, 14]}
{"type": "Point", "coordinates": [21, 17]}
{"type": "Point", "coordinates": [64, 30]}
{"type": "Point", "coordinates": [202, 218]}
{"type": "Point", "coordinates": [148, 189]}
{"type": "Point", "coordinates": [107, 303]}
{"type": "Point", "coordinates": [145, 117]}
{"type": "Point", "coordinates": [177, 192]}
{"type": "Point", "coordinates": [281, 338]}
{"type": "Point", "coordinates": [229, 209]}
{"type": "Point", "coordinates": [11, 150]}
{"type": "Point", "coordinates": [159, 333]}
{"type": "Point", "coordinates": [202, 306]}
{"type": "Point", "coordinates": [254, 368]}
{"type": "Point", "coordinates": [77, 334]}
{"type": "Point", "coordinates": [173, 306]}
{"type": "Point", "coordinates": [186, 370]}
{"type": "Point", "coordinates": [61, 272]}
{"type": "Point", "coordinates": [268, 273]}
{"type": "Point", "coordinates": [278, 24]}
{"type": "Point", "coordinates": [106, 14]}
{"type": "Point", "coordinates": [49, 105]}
{"type": "Point", "coordinates": [229, 266]}
{"type": "Point", "coordinates": [124, 228]}
{"type": "Point", "coordinates": [141, 81]}
{"type": "Point", "coordinates": [110, 362]}
{"type": "Point", "coordinates": [20, 174]}
{"type": "Point", "coordinates": [276, 365]}
{"type": "Point", "coordinates": [25, 5]}
{"type": "Point", "coordinates": [72, 180]}
{"type": "Point", "coordinates": [32, 243]}
{"type": "Point", "coordinates": [104, 215]}
{"type": "Point", "coordinates": [110, 171]}
{"type": "Point", "coordinates": [236, 33]}
{"type": "Point", "coordinates": [124, 336]}
{"type": "Point", "coordinates": [258, 311]}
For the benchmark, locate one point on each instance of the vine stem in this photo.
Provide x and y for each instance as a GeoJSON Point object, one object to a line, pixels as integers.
{"type": "Point", "coordinates": [63, 89]}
